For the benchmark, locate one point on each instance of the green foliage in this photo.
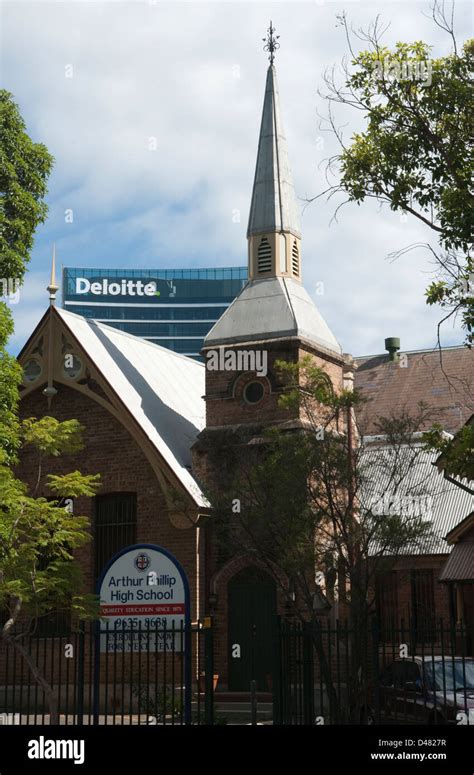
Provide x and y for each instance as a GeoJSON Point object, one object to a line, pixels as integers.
{"type": "Point", "coordinates": [10, 378]}
{"type": "Point", "coordinates": [38, 536]}
{"type": "Point", "coordinates": [457, 455]}
{"type": "Point", "coordinates": [304, 380]}
{"type": "Point", "coordinates": [74, 484]}
{"type": "Point", "coordinates": [416, 151]}
{"type": "Point", "coordinates": [24, 169]}
{"type": "Point", "coordinates": [157, 704]}
{"type": "Point", "coordinates": [52, 437]}
{"type": "Point", "coordinates": [304, 497]}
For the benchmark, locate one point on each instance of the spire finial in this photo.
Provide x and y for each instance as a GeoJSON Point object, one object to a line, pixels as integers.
{"type": "Point", "coordinates": [271, 43]}
{"type": "Point", "coordinates": [52, 287]}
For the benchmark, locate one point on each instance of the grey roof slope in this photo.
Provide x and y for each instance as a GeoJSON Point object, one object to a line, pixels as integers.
{"type": "Point", "coordinates": [273, 206]}
{"type": "Point", "coordinates": [406, 478]}
{"type": "Point", "coordinates": [273, 308]}
{"type": "Point", "coordinates": [163, 390]}
{"type": "Point", "coordinates": [460, 566]}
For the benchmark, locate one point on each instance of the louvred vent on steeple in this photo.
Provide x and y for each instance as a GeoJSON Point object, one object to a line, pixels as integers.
{"type": "Point", "coordinates": [295, 259]}
{"type": "Point", "coordinates": [264, 256]}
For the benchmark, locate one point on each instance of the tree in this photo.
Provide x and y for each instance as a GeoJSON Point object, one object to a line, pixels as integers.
{"type": "Point", "coordinates": [456, 454]}
{"type": "Point", "coordinates": [416, 152]}
{"type": "Point", "coordinates": [10, 378]}
{"type": "Point", "coordinates": [24, 169]}
{"type": "Point", "coordinates": [38, 536]}
{"type": "Point", "coordinates": [311, 507]}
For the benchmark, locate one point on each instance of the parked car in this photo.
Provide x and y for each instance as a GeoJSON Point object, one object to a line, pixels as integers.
{"type": "Point", "coordinates": [426, 690]}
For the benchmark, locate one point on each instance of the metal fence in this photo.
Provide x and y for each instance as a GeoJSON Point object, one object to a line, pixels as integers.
{"type": "Point", "coordinates": [322, 674]}
{"type": "Point", "coordinates": [92, 675]}
{"type": "Point", "coordinates": [327, 674]}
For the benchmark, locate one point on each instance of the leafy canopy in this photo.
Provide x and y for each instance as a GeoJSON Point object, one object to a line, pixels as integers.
{"type": "Point", "coordinates": [24, 169]}
{"type": "Point", "coordinates": [38, 535]}
{"type": "Point", "coordinates": [415, 152]}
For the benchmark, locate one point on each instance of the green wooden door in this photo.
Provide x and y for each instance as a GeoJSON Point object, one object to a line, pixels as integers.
{"type": "Point", "coordinates": [251, 617]}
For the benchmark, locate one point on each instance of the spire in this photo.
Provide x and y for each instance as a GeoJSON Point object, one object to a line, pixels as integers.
{"type": "Point", "coordinates": [53, 287]}
{"type": "Point", "coordinates": [274, 230]}
{"type": "Point", "coordinates": [273, 305]}
{"type": "Point", "coordinates": [274, 206]}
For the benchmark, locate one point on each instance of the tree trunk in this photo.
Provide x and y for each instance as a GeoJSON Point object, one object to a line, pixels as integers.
{"type": "Point", "coordinates": [37, 675]}
{"type": "Point", "coordinates": [334, 700]}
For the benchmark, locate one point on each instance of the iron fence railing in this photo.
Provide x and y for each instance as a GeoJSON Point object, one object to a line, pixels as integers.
{"type": "Point", "coordinates": [329, 674]}
{"type": "Point", "coordinates": [322, 673]}
{"type": "Point", "coordinates": [100, 675]}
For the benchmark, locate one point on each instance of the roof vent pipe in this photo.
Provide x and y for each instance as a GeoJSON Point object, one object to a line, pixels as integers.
{"type": "Point", "coordinates": [392, 344]}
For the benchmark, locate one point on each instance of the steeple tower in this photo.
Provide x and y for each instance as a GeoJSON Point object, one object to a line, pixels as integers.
{"type": "Point", "coordinates": [273, 305]}
{"type": "Point", "coordinates": [274, 231]}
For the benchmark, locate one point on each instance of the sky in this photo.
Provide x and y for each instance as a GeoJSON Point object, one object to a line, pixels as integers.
{"type": "Point", "coordinates": [152, 112]}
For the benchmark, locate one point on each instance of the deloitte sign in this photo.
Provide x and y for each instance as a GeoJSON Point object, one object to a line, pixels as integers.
{"type": "Point", "coordinates": [106, 287]}
{"type": "Point", "coordinates": [144, 601]}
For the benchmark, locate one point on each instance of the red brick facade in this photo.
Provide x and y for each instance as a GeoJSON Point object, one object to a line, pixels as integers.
{"type": "Point", "coordinates": [111, 451]}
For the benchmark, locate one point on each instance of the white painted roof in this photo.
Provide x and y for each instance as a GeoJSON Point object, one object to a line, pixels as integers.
{"type": "Point", "coordinates": [162, 389]}
{"type": "Point", "coordinates": [271, 309]}
{"type": "Point", "coordinates": [274, 206]}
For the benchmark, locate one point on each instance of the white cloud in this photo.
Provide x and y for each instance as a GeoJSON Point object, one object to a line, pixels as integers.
{"type": "Point", "coordinates": [192, 76]}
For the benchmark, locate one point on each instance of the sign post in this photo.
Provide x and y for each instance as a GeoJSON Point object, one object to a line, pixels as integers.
{"type": "Point", "coordinates": [144, 590]}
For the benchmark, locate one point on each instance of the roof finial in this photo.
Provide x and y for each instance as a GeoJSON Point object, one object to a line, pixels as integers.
{"type": "Point", "coordinates": [52, 287]}
{"type": "Point", "coordinates": [271, 43]}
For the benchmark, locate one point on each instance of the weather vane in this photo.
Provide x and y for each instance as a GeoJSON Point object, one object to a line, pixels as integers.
{"type": "Point", "coordinates": [271, 43]}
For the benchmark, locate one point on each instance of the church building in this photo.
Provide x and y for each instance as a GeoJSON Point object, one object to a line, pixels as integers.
{"type": "Point", "coordinates": [151, 415]}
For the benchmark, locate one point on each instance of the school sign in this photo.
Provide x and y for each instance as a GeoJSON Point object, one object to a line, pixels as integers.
{"type": "Point", "coordinates": [144, 601]}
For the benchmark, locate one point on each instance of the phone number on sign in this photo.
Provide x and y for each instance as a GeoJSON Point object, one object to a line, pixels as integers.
{"type": "Point", "coordinates": [156, 622]}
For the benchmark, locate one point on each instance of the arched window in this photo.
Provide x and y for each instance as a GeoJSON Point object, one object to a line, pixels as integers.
{"type": "Point", "coordinates": [264, 256]}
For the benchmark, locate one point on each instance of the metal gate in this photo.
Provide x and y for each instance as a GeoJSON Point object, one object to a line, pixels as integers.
{"type": "Point", "coordinates": [146, 684]}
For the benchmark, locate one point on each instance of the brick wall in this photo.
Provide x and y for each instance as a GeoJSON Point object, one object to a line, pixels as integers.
{"type": "Point", "coordinates": [404, 566]}
{"type": "Point", "coordinates": [111, 451]}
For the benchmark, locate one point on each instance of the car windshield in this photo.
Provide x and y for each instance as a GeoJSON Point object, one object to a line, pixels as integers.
{"type": "Point", "coordinates": [452, 675]}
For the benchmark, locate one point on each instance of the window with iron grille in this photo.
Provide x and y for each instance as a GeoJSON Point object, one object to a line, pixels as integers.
{"type": "Point", "coordinates": [264, 256]}
{"type": "Point", "coordinates": [115, 526]}
{"type": "Point", "coordinates": [422, 604]}
{"type": "Point", "coordinates": [387, 604]}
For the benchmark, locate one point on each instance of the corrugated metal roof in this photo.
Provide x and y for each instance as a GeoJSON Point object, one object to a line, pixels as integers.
{"type": "Point", "coordinates": [460, 564]}
{"type": "Point", "coordinates": [271, 309]}
{"type": "Point", "coordinates": [273, 206]}
{"type": "Point", "coordinates": [405, 477]}
{"type": "Point", "coordinates": [162, 389]}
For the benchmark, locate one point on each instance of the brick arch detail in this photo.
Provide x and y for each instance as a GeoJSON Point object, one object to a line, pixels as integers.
{"type": "Point", "coordinates": [222, 576]}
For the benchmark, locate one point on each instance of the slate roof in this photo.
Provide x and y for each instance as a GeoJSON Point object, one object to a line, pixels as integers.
{"type": "Point", "coordinates": [444, 381]}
